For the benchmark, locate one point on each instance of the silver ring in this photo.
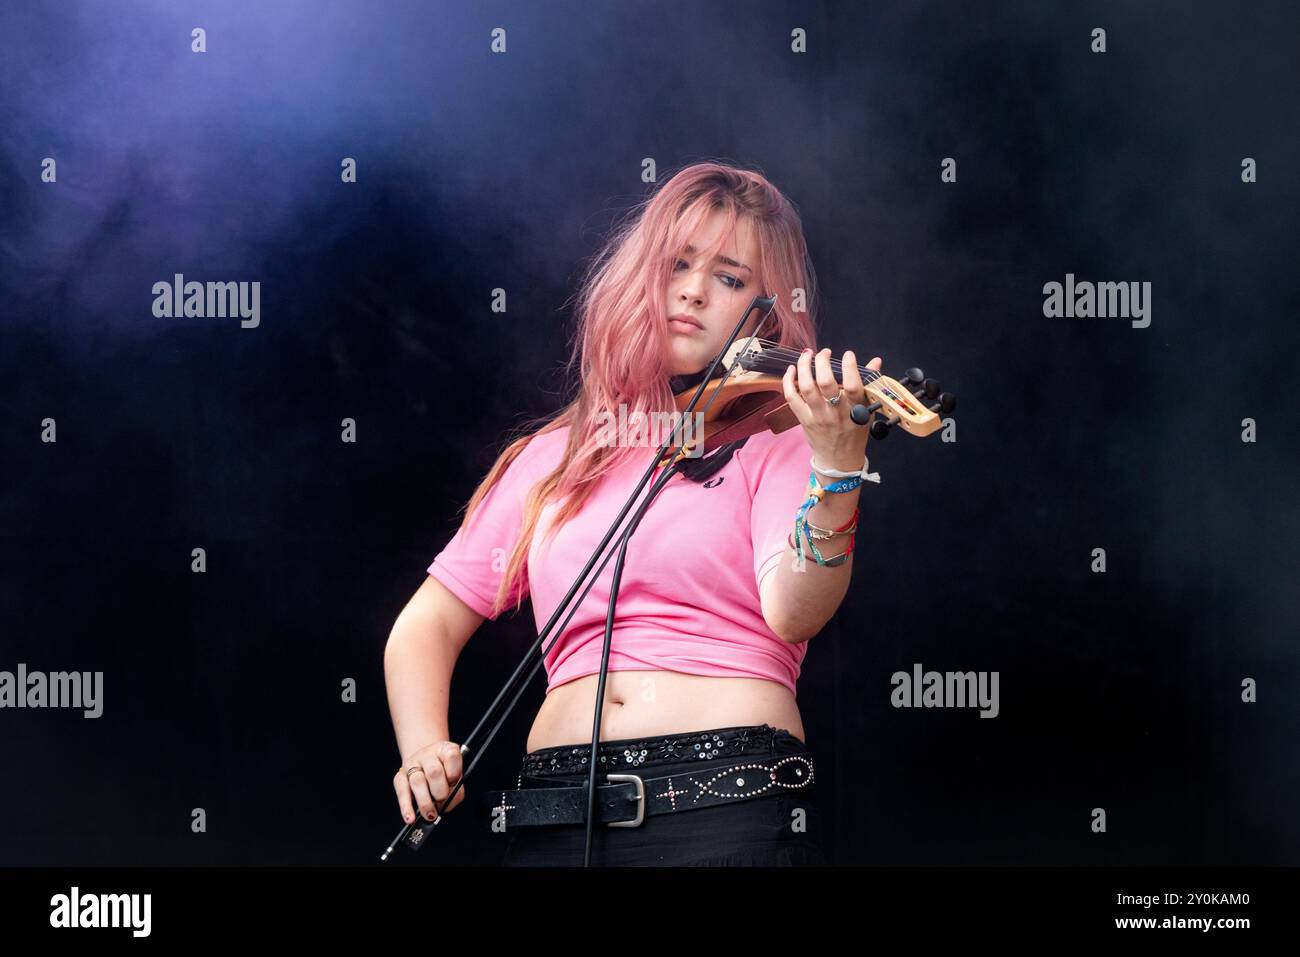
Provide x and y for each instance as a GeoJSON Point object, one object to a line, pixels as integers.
{"type": "Point", "coordinates": [411, 769]}
{"type": "Point", "coordinates": [836, 400]}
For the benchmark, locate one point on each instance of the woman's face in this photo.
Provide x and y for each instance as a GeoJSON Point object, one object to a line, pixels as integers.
{"type": "Point", "coordinates": [713, 294]}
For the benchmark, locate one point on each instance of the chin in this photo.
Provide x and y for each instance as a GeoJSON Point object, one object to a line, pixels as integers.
{"type": "Point", "coordinates": [685, 365]}
{"type": "Point", "coordinates": [690, 367]}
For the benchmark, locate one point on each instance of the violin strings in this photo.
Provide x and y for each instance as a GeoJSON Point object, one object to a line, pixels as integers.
{"type": "Point", "coordinates": [785, 352]}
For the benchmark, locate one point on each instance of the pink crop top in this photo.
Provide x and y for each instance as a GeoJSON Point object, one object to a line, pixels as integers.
{"type": "Point", "coordinates": [689, 597]}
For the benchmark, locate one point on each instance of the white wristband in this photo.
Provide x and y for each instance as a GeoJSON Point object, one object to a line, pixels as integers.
{"type": "Point", "coordinates": [836, 473]}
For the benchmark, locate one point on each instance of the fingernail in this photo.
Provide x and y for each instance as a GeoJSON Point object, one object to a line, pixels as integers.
{"type": "Point", "coordinates": [806, 351]}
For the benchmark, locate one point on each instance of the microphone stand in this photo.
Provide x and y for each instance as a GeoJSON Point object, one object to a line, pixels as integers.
{"type": "Point", "coordinates": [768, 305]}
{"type": "Point", "coordinates": [414, 835]}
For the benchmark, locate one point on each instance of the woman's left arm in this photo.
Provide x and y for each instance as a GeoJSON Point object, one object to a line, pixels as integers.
{"type": "Point", "coordinates": [797, 604]}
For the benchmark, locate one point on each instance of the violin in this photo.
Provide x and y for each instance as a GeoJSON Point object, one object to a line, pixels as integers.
{"type": "Point", "coordinates": [752, 398]}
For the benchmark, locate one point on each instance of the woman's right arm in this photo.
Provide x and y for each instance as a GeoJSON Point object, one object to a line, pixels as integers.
{"type": "Point", "coordinates": [421, 653]}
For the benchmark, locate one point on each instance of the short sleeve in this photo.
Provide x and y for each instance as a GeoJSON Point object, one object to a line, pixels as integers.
{"type": "Point", "coordinates": [778, 477]}
{"type": "Point", "coordinates": [473, 563]}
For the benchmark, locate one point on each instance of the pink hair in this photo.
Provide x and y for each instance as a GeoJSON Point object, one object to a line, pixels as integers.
{"type": "Point", "coordinates": [621, 344]}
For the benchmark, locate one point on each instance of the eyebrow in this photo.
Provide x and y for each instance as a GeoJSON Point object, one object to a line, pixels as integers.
{"type": "Point", "coordinates": [729, 262]}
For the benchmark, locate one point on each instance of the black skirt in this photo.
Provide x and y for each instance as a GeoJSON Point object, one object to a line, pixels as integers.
{"type": "Point", "coordinates": [779, 829]}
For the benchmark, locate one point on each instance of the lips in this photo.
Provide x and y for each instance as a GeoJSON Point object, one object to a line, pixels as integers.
{"type": "Point", "coordinates": [684, 323]}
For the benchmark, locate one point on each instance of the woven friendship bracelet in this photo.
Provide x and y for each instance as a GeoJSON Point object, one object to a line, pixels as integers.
{"type": "Point", "coordinates": [836, 473]}
{"type": "Point", "coordinates": [815, 494]}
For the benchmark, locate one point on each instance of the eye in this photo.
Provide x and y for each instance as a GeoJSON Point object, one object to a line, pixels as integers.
{"type": "Point", "coordinates": [728, 280]}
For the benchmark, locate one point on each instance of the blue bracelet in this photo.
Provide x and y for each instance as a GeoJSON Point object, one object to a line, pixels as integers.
{"type": "Point", "coordinates": [843, 485]}
{"type": "Point", "coordinates": [815, 493]}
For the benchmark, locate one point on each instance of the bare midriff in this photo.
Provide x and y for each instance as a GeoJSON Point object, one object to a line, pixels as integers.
{"type": "Point", "coordinates": [648, 703]}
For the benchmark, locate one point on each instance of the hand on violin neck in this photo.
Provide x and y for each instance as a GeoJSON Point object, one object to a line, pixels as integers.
{"type": "Point", "coordinates": [836, 440]}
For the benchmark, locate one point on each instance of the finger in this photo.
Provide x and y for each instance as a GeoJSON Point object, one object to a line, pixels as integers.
{"type": "Point", "coordinates": [460, 796]}
{"type": "Point", "coordinates": [826, 383]}
{"type": "Point", "coordinates": [453, 768]}
{"type": "Point", "coordinates": [437, 779]}
{"type": "Point", "coordinates": [449, 752]}
{"type": "Point", "coordinates": [792, 397]}
{"type": "Point", "coordinates": [807, 381]}
{"type": "Point", "coordinates": [874, 366]}
{"type": "Point", "coordinates": [420, 791]}
{"type": "Point", "coordinates": [852, 378]}
{"type": "Point", "coordinates": [404, 796]}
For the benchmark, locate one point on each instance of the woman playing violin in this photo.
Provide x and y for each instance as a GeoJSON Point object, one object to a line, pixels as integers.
{"type": "Point", "coordinates": [717, 601]}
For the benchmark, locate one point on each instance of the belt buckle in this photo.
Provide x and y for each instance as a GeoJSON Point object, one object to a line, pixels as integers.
{"type": "Point", "coordinates": [640, 799]}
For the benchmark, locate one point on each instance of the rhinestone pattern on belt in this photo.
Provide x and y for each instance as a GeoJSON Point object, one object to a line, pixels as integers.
{"type": "Point", "coordinates": [662, 749]}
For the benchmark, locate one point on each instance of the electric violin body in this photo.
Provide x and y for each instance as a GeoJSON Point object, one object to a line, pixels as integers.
{"type": "Point", "coordinates": [752, 397]}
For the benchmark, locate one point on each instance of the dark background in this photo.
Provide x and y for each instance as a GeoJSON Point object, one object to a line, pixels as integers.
{"type": "Point", "coordinates": [477, 170]}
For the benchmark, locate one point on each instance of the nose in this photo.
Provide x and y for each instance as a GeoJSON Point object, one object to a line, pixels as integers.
{"type": "Point", "coordinates": [690, 288]}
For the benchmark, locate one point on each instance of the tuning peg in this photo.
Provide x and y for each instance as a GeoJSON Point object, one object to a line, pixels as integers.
{"type": "Point", "coordinates": [947, 402]}
{"type": "Point", "coordinates": [911, 377]}
{"type": "Point", "coordinates": [880, 429]}
{"type": "Point", "coordinates": [862, 413]}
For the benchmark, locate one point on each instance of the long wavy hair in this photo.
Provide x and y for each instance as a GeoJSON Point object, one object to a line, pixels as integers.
{"type": "Point", "coordinates": [621, 344]}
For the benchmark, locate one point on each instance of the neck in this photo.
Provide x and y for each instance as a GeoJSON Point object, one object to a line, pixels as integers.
{"type": "Point", "coordinates": [680, 383]}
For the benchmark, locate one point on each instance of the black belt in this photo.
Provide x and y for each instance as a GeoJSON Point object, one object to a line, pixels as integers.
{"type": "Point", "coordinates": [625, 800]}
